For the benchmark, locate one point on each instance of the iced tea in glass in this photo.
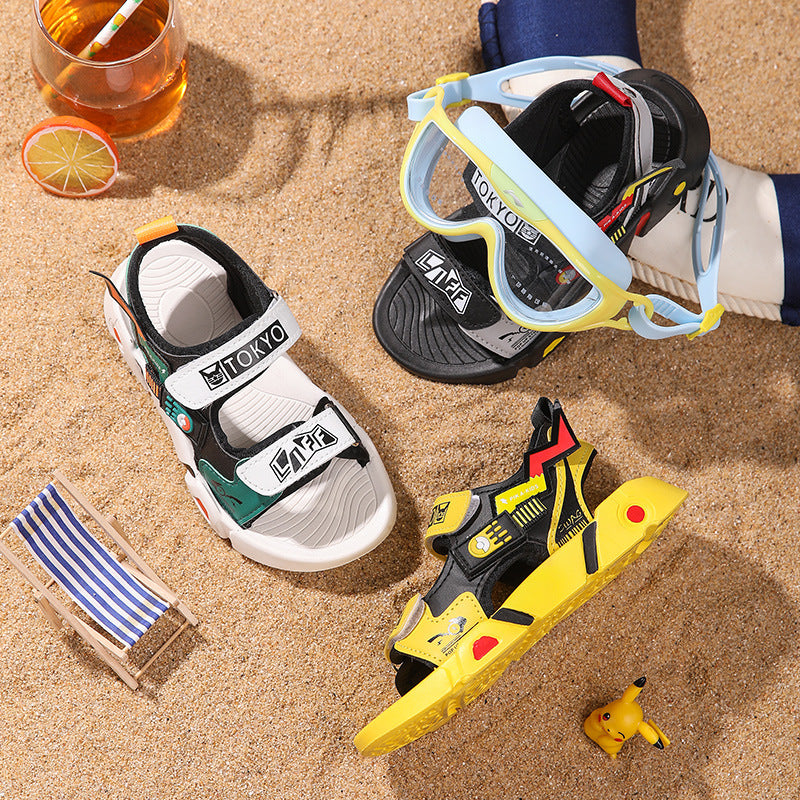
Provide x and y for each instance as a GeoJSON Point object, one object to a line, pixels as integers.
{"type": "Point", "coordinates": [132, 84]}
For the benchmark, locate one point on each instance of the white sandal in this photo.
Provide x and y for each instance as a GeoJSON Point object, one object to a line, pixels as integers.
{"type": "Point", "coordinates": [275, 464]}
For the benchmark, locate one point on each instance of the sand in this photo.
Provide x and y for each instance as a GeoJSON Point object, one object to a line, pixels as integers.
{"type": "Point", "coordinates": [288, 147]}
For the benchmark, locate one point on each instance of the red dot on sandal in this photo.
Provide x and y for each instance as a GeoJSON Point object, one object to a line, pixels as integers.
{"type": "Point", "coordinates": [635, 513]}
{"type": "Point", "coordinates": [480, 647]}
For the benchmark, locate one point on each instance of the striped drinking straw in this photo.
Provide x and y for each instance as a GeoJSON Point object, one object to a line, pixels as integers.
{"type": "Point", "coordinates": [109, 29]}
{"type": "Point", "coordinates": [106, 34]}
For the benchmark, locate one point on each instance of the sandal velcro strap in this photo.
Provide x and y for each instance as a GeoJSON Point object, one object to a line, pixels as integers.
{"type": "Point", "coordinates": [490, 545]}
{"type": "Point", "coordinates": [456, 290]}
{"type": "Point", "coordinates": [294, 456]}
{"type": "Point", "coordinates": [459, 295]}
{"type": "Point", "coordinates": [216, 374]}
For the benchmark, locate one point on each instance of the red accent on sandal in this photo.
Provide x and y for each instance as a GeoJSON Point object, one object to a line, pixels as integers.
{"type": "Point", "coordinates": [563, 444]}
{"type": "Point", "coordinates": [480, 647]}
{"type": "Point", "coordinates": [605, 223]}
{"type": "Point", "coordinates": [602, 81]}
{"type": "Point", "coordinates": [635, 513]}
{"type": "Point", "coordinates": [641, 223]}
{"type": "Point", "coordinates": [201, 507]}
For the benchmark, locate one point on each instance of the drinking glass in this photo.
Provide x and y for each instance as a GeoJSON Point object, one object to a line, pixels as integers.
{"type": "Point", "coordinates": [132, 84]}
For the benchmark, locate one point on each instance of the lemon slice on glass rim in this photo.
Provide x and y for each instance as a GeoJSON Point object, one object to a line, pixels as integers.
{"type": "Point", "coordinates": [70, 157]}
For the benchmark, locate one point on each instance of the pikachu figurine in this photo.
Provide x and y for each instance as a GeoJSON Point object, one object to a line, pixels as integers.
{"type": "Point", "coordinates": [613, 724]}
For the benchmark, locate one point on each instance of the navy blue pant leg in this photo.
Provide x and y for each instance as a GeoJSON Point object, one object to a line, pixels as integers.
{"type": "Point", "coordinates": [516, 30]}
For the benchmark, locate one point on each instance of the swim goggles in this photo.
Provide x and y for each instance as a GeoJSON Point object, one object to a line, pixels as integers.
{"type": "Point", "coordinates": [528, 193]}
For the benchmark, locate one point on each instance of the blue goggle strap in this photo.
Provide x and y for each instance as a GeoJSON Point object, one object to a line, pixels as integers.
{"type": "Point", "coordinates": [687, 322]}
{"type": "Point", "coordinates": [487, 87]}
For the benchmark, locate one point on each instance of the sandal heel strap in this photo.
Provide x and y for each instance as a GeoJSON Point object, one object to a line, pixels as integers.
{"type": "Point", "coordinates": [217, 374]}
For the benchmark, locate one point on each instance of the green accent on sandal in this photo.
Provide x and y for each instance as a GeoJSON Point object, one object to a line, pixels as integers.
{"type": "Point", "coordinates": [238, 499]}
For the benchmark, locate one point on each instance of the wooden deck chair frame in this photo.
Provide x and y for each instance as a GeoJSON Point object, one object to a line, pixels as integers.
{"type": "Point", "coordinates": [57, 612]}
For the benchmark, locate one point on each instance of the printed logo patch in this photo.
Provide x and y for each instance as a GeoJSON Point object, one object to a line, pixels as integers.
{"type": "Point", "coordinates": [247, 356]}
{"type": "Point", "coordinates": [566, 276]}
{"type": "Point", "coordinates": [446, 279]}
{"type": "Point", "coordinates": [500, 211]}
{"type": "Point", "coordinates": [517, 495]}
{"type": "Point", "coordinates": [439, 513]}
{"type": "Point", "coordinates": [291, 459]}
{"type": "Point", "coordinates": [449, 638]}
{"type": "Point", "coordinates": [573, 525]}
{"type": "Point", "coordinates": [178, 414]}
{"type": "Point", "coordinates": [491, 538]}
{"type": "Point", "coordinates": [214, 375]}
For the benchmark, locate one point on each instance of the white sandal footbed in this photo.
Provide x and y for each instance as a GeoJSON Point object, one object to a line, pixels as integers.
{"type": "Point", "coordinates": [185, 293]}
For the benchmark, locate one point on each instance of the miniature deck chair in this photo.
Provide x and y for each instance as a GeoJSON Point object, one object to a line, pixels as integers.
{"type": "Point", "coordinates": [124, 597]}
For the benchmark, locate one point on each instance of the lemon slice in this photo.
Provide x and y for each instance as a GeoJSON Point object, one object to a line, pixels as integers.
{"type": "Point", "coordinates": [70, 157]}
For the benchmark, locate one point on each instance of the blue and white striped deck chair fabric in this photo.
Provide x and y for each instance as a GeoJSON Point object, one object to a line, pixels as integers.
{"type": "Point", "coordinates": [85, 569]}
